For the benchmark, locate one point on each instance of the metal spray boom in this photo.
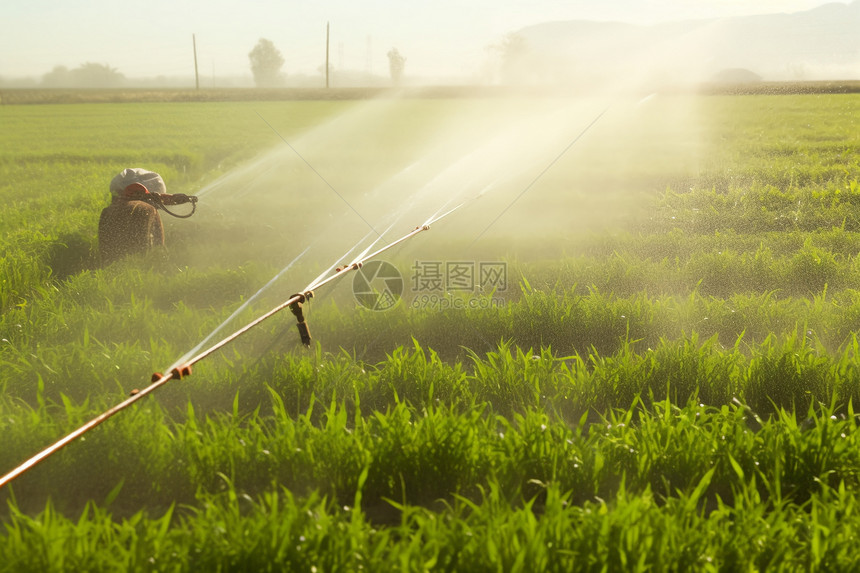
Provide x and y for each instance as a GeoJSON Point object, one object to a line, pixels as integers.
{"type": "Point", "coordinates": [294, 303]}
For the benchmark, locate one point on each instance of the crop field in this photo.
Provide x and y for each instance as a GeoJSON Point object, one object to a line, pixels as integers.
{"type": "Point", "coordinates": [666, 378]}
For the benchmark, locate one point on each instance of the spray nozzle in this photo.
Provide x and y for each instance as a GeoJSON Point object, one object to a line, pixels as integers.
{"type": "Point", "coordinates": [354, 267]}
{"type": "Point", "coordinates": [304, 333]}
{"type": "Point", "coordinates": [181, 372]}
{"type": "Point", "coordinates": [303, 297]}
{"type": "Point", "coordinates": [296, 309]}
{"type": "Point", "coordinates": [177, 373]}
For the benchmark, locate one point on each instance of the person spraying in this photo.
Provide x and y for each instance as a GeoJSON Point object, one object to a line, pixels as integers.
{"type": "Point", "coordinates": [131, 223]}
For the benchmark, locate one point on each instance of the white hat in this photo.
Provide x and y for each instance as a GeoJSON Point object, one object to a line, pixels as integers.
{"type": "Point", "coordinates": [149, 179]}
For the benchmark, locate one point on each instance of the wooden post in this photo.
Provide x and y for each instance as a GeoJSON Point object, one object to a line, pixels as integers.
{"type": "Point", "coordinates": [326, 55]}
{"type": "Point", "coordinates": [196, 75]}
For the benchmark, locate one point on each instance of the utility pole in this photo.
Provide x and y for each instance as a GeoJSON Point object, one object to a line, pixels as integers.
{"type": "Point", "coordinates": [196, 75]}
{"type": "Point", "coordinates": [326, 55]}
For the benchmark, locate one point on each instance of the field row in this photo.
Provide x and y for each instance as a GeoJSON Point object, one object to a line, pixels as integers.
{"type": "Point", "coordinates": [70, 343]}
{"type": "Point", "coordinates": [667, 380]}
{"type": "Point", "coordinates": [664, 486]}
{"type": "Point", "coordinates": [279, 398]}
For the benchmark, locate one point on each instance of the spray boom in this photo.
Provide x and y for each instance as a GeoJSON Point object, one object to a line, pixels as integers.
{"type": "Point", "coordinates": [294, 303]}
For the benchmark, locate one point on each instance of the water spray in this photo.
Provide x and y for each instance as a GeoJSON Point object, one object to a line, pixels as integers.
{"type": "Point", "coordinates": [184, 369]}
{"type": "Point", "coordinates": [296, 302]}
{"type": "Point", "coordinates": [541, 174]}
{"type": "Point", "coordinates": [317, 173]}
{"type": "Point", "coordinates": [244, 305]}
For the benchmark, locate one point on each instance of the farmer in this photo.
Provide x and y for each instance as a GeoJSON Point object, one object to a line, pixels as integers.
{"type": "Point", "coordinates": [131, 224]}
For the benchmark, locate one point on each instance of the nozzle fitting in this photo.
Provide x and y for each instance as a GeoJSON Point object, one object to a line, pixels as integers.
{"type": "Point", "coordinates": [177, 373]}
{"type": "Point", "coordinates": [304, 333]}
{"type": "Point", "coordinates": [181, 372]}
{"type": "Point", "coordinates": [296, 309]}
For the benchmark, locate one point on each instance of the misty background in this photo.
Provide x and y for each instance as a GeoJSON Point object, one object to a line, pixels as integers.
{"type": "Point", "coordinates": [157, 44]}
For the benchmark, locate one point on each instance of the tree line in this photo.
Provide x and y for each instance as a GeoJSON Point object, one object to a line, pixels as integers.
{"type": "Point", "coordinates": [267, 63]}
{"type": "Point", "coordinates": [84, 76]}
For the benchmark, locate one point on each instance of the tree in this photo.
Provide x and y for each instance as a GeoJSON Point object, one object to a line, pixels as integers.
{"type": "Point", "coordinates": [396, 65]}
{"type": "Point", "coordinates": [266, 63]}
{"type": "Point", "coordinates": [58, 77]}
{"type": "Point", "coordinates": [96, 75]}
{"type": "Point", "coordinates": [507, 61]}
{"type": "Point", "coordinates": [513, 54]}
{"type": "Point", "coordinates": [88, 75]}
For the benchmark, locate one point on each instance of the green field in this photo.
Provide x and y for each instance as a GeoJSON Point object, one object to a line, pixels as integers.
{"type": "Point", "coordinates": [667, 382]}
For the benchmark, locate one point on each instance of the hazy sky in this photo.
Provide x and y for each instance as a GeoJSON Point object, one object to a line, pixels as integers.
{"type": "Point", "coordinates": [438, 38]}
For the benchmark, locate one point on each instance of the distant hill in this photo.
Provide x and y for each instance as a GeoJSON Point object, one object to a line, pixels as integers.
{"type": "Point", "coordinates": [818, 44]}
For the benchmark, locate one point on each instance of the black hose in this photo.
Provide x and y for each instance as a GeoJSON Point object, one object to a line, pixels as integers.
{"type": "Point", "coordinates": [159, 203]}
